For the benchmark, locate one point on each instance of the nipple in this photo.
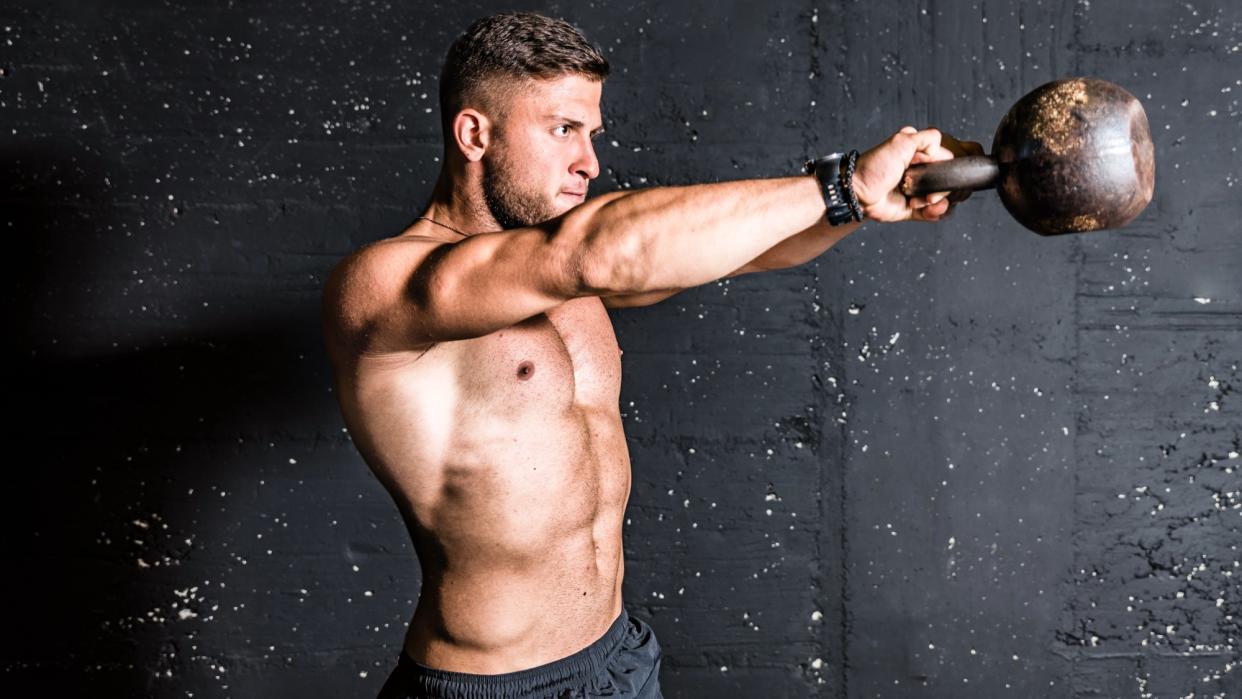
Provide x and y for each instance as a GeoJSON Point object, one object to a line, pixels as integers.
{"type": "Point", "coordinates": [526, 370]}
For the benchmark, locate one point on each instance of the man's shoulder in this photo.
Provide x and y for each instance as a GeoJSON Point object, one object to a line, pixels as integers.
{"type": "Point", "coordinates": [374, 259]}
{"type": "Point", "coordinates": [367, 282]}
{"type": "Point", "coordinates": [404, 242]}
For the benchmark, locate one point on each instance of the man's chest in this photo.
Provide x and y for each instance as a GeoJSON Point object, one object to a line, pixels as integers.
{"type": "Point", "coordinates": [568, 355]}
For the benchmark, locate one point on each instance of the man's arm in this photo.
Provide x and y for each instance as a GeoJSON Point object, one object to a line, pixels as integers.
{"type": "Point", "coordinates": [403, 294]}
{"type": "Point", "coordinates": [400, 294]}
{"type": "Point", "coordinates": [798, 249]}
{"type": "Point", "coordinates": [881, 202]}
{"type": "Point", "coordinates": [406, 294]}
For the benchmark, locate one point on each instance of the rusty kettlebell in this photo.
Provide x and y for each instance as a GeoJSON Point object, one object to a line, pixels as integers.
{"type": "Point", "coordinates": [1071, 156]}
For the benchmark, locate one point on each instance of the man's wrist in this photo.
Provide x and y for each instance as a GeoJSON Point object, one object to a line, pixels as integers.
{"type": "Point", "coordinates": [848, 165]}
{"type": "Point", "coordinates": [860, 192]}
{"type": "Point", "coordinates": [835, 174]}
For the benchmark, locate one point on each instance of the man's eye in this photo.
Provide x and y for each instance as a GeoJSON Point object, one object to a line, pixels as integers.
{"type": "Point", "coordinates": [561, 130]}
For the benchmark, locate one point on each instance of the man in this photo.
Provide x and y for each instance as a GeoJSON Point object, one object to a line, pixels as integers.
{"type": "Point", "coordinates": [479, 375]}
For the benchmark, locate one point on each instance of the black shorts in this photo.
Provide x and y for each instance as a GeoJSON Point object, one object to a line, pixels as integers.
{"type": "Point", "coordinates": [624, 664]}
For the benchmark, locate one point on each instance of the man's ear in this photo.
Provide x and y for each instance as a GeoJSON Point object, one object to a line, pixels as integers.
{"type": "Point", "coordinates": [472, 133]}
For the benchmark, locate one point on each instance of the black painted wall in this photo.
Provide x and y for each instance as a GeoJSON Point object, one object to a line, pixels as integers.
{"type": "Point", "coordinates": [940, 461]}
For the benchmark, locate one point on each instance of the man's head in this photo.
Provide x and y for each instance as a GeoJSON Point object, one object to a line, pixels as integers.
{"type": "Point", "coordinates": [519, 100]}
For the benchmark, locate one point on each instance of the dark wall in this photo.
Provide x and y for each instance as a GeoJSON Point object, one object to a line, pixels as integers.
{"type": "Point", "coordinates": [953, 460]}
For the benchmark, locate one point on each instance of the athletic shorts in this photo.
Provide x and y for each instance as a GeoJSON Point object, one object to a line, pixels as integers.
{"type": "Point", "coordinates": [624, 664]}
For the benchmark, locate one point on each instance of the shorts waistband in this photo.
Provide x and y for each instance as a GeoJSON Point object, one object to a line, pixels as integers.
{"type": "Point", "coordinates": [542, 680]}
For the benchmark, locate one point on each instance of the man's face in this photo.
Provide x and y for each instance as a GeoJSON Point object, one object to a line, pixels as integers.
{"type": "Point", "coordinates": [541, 158]}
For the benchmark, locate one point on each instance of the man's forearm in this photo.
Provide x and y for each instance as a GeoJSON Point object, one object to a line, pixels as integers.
{"type": "Point", "coordinates": [804, 246]}
{"type": "Point", "coordinates": [679, 237]}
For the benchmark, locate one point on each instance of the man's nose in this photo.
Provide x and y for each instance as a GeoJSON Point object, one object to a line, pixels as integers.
{"type": "Point", "coordinates": [587, 164]}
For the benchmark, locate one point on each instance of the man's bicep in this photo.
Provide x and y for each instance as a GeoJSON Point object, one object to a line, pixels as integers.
{"type": "Point", "coordinates": [405, 293]}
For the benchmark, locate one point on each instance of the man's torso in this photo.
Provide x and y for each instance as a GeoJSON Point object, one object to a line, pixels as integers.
{"type": "Point", "coordinates": [506, 456]}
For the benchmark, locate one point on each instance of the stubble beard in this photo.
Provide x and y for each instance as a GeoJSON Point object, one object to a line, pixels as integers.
{"type": "Point", "coordinates": [509, 203]}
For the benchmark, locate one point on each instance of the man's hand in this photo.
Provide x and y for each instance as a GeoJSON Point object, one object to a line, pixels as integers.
{"type": "Point", "coordinates": [878, 174]}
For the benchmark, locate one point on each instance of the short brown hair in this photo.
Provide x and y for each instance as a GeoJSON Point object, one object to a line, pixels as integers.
{"type": "Point", "coordinates": [523, 45]}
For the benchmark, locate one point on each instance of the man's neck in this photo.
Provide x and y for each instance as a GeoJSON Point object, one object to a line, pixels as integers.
{"type": "Point", "coordinates": [456, 205]}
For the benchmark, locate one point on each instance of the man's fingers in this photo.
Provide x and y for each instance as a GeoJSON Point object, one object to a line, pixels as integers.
{"type": "Point", "coordinates": [932, 212]}
{"type": "Point", "coordinates": [911, 146]}
{"type": "Point", "coordinates": [926, 141]}
{"type": "Point", "coordinates": [937, 154]}
{"type": "Point", "coordinates": [936, 146]}
{"type": "Point", "coordinates": [924, 201]}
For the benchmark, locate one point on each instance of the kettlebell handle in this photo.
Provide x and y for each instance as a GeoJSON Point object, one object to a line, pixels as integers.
{"type": "Point", "coordinates": [970, 172]}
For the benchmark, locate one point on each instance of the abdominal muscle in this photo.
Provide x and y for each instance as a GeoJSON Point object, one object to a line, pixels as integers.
{"type": "Point", "coordinates": [523, 565]}
{"type": "Point", "coordinates": [501, 618]}
{"type": "Point", "coordinates": [514, 501]}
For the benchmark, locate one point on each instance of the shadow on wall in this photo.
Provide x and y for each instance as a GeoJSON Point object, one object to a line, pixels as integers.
{"type": "Point", "coordinates": [113, 454]}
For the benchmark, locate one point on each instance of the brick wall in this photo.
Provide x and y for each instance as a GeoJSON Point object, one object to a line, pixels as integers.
{"type": "Point", "coordinates": [956, 460]}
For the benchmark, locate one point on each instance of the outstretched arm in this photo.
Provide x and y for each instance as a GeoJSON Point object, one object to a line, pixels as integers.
{"type": "Point", "coordinates": [873, 181]}
{"type": "Point", "coordinates": [403, 294]}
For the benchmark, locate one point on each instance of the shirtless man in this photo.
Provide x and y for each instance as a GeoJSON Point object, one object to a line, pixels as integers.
{"type": "Point", "coordinates": [478, 373]}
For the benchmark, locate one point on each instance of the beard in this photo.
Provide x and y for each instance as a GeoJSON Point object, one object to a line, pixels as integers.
{"type": "Point", "coordinates": [510, 204]}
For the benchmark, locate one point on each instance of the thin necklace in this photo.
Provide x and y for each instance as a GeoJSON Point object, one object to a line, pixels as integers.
{"type": "Point", "coordinates": [444, 225]}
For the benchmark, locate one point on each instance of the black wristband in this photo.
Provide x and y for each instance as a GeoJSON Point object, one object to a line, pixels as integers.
{"type": "Point", "coordinates": [836, 193]}
{"type": "Point", "coordinates": [847, 184]}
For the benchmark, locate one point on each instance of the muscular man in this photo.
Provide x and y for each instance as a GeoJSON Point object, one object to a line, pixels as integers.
{"type": "Point", "coordinates": [479, 375]}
